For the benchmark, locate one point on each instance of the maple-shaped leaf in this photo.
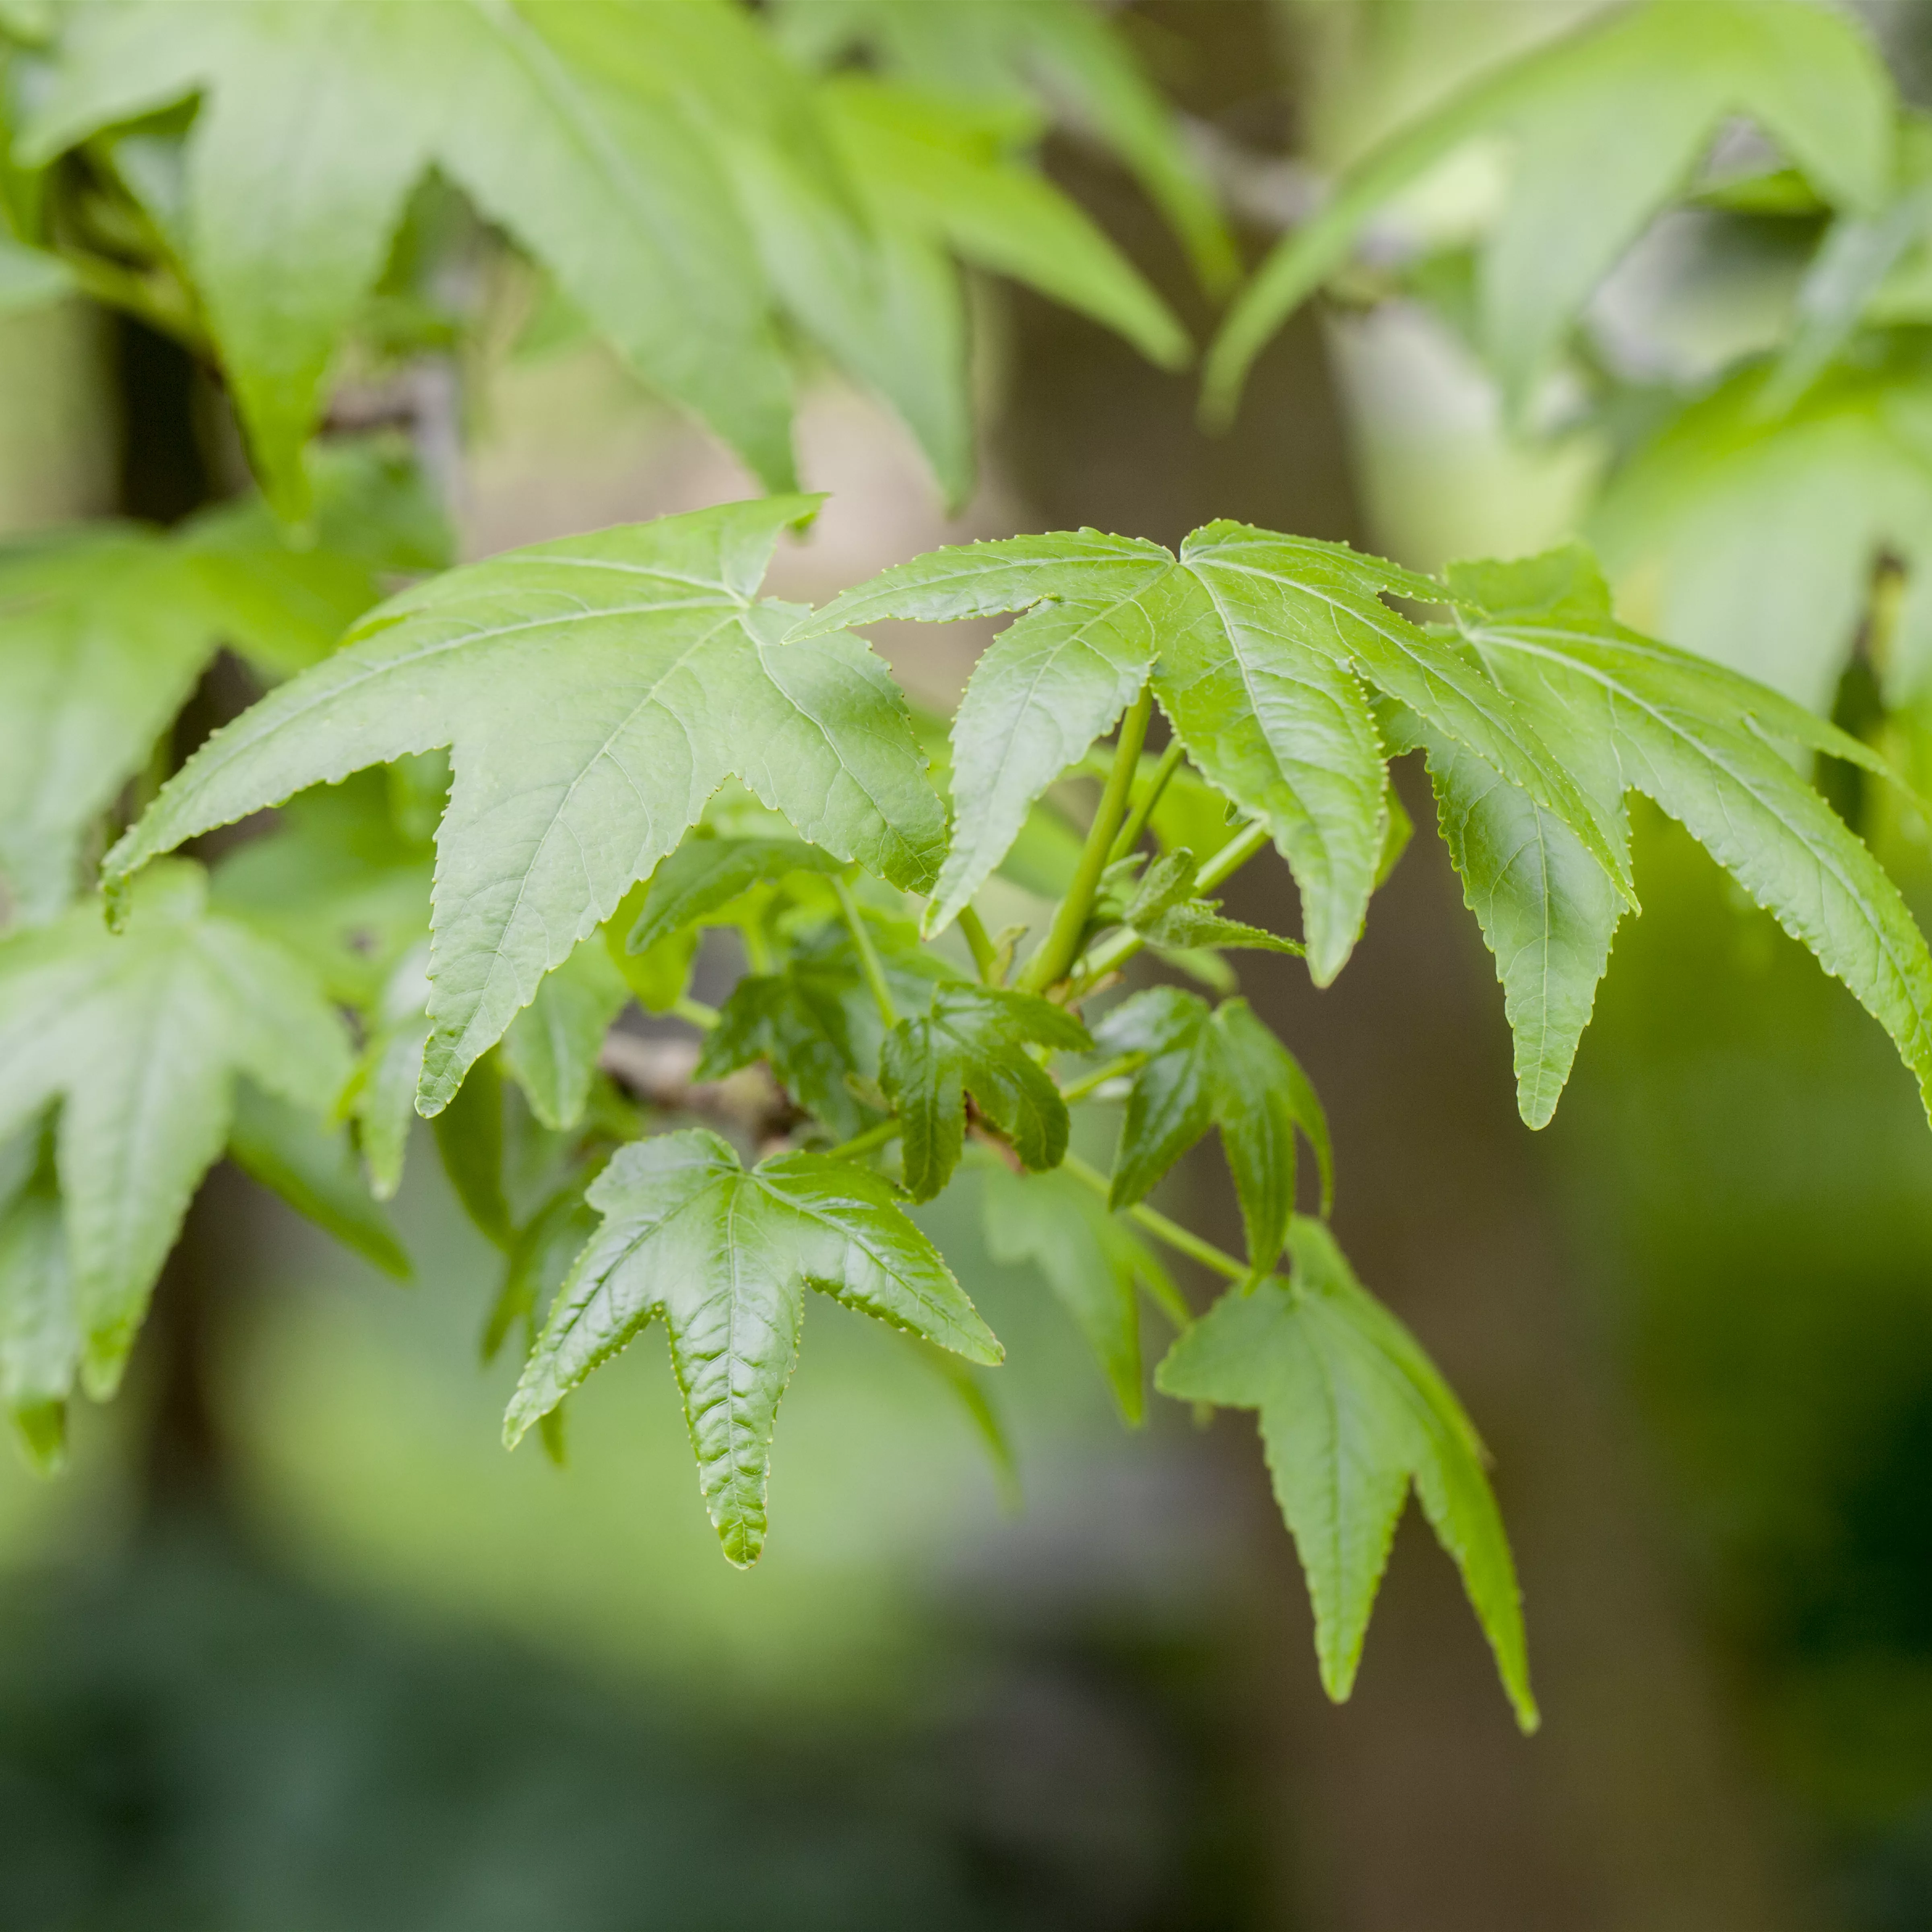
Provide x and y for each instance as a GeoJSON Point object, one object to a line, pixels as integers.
{"type": "Point", "coordinates": [974, 1039]}
{"type": "Point", "coordinates": [594, 693]}
{"type": "Point", "coordinates": [1093, 1261]}
{"type": "Point", "coordinates": [1352, 1412]}
{"type": "Point", "coordinates": [724, 1253]}
{"type": "Point", "coordinates": [1605, 126]}
{"type": "Point", "coordinates": [138, 1039]}
{"type": "Point", "coordinates": [816, 1022]}
{"type": "Point", "coordinates": [1263, 650]}
{"type": "Point", "coordinates": [1205, 1066]}
{"type": "Point", "coordinates": [315, 121]}
{"type": "Point", "coordinates": [1706, 745]}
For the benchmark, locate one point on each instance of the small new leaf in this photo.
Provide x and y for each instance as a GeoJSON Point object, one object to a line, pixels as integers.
{"type": "Point", "coordinates": [1351, 1413]}
{"type": "Point", "coordinates": [974, 1041]}
{"type": "Point", "coordinates": [725, 1255]}
{"type": "Point", "coordinates": [1205, 1067]}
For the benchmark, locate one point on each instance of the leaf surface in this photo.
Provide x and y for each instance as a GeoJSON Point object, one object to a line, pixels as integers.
{"type": "Point", "coordinates": [724, 1254]}
{"type": "Point", "coordinates": [973, 1040]}
{"type": "Point", "coordinates": [138, 1040]}
{"type": "Point", "coordinates": [1351, 1413]}
{"type": "Point", "coordinates": [594, 693]}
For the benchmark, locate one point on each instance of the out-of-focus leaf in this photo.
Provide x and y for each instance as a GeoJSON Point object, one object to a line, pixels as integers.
{"type": "Point", "coordinates": [551, 1049]}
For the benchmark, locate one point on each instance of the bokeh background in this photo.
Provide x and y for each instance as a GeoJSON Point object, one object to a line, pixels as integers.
{"type": "Point", "coordinates": [295, 1646]}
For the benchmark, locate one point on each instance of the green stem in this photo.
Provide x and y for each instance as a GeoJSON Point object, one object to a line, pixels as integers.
{"type": "Point", "coordinates": [694, 1012]}
{"type": "Point", "coordinates": [1056, 951]}
{"type": "Point", "coordinates": [757, 948]}
{"type": "Point", "coordinates": [1116, 951]}
{"type": "Point", "coordinates": [1130, 832]}
{"type": "Point", "coordinates": [1217, 1261]}
{"type": "Point", "coordinates": [985, 953]}
{"type": "Point", "coordinates": [1126, 1064]}
{"type": "Point", "coordinates": [868, 956]}
{"type": "Point", "coordinates": [873, 1137]}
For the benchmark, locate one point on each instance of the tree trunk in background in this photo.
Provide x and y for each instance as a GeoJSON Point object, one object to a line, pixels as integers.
{"type": "Point", "coordinates": [1417, 1808]}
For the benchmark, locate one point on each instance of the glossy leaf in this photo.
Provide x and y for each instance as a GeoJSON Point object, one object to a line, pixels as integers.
{"type": "Point", "coordinates": [1206, 1066]}
{"type": "Point", "coordinates": [724, 1254]}
{"type": "Point", "coordinates": [655, 674]}
{"type": "Point", "coordinates": [1267, 646]}
{"type": "Point", "coordinates": [139, 1038]}
{"type": "Point", "coordinates": [973, 1041]}
{"type": "Point", "coordinates": [1351, 1414]}
{"type": "Point", "coordinates": [1704, 744]}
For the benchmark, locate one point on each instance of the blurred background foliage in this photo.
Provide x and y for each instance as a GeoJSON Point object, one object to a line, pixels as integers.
{"type": "Point", "coordinates": [295, 1645]}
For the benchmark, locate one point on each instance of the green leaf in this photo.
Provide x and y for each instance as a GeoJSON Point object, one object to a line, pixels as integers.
{"type": "Point", "coordinates": [315, 122]}
{"type": "Point", "coordinates": [382, 1098]}
{"type": "Point", "coordinates": [1607, 126]}
{"type": "Point", "coordinates": [30, 277]}
{"type": "Point", "coordinates": [1351, 1413]}
{"type": "Point", "coordinates": [703, 875]}
{"type": "Point", "coordinates": [545, 1248]}
{"type": "Point", "coordinates": [816, 1022]}
{"type": "Point", "coordinates": [39, 1341]}
{"type": "Point", "coordinates": [551, 1047]}
{"type": "Point", "coordinates": [1059, 52]}
{"type": "Point", "coordinates": [1092, 1261]}
{"type": "Point", "coordinates": [973, 1040]}
{"type": "Point", "coordinates": [1164, 908]}
{"type": "Point", "coordinates": [470, 1140]}
{"type": "Point", "coordinates": [1754, 533]}
{"type": "Point", "coordinates": [656, 674]}
{"type": "Point", "coordinates": [139, 1038]}
{"type": "Point", "coordinates": [1704, 744]}
{"type": "Point", "coordinates": [1265, 646]}
{"type": "Point", "coordinates": [944, 171]}
{"type": "Point", "coordinates": [313, 1169]}
{"type": "Point", "coordinates": [1207, 1066]}
{"type": "Point", "coordinates": [724, 1254]}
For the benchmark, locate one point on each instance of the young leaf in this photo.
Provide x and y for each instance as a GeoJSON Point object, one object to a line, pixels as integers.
{"type": "Point", "coordinates": [1093, 1261]}
{"type": "Point", "coordinates": [973, 1040]}
{"type": "Point", "coordinates": [1607, 124]}
{"type": "Point", "coordinates": [815, 1022]}
{"type": "Point", "coordinates": [1264, 644]}
{"type": "Point", "coordinates": [594, 692]}
{"type": "Point", "coordinates": [551, 1049]}
{"type": "Point", "coordinates": [1214, 1065]}
{"type": "Point", "coordinates": [724, 1254]}
{"type": "Point", "coordinates": [1702, 743]}
{"type": "Point", "coordinates": [1164, 908]}
{"type": "Point", "coordinates": [139, 1038]}
{"type": "Point", "coordinates": [313, 1169]}
{"type": "Point", "coordinates": [1352, 1412]}
{"type": "Point", "coordinates": [315, 122]}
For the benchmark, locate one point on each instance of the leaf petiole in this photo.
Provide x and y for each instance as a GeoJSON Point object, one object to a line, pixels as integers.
{"type": "Point", "coordinates": [880, 1135]}
{"type": "Point", "coordinates": [694, 1012]}
{"type": "Point", "coordinates": [868, 954]}
{"type": "Point", "coordinates": [1137, 819]}
{"type": "Point", "coordinates": [985, 954]}
{"type": "Point", "coordinates": [1126, 1064]}
{"type": "Point", "coordinates": [1217, 1261]}
{"type": "Point", "coordinates": [1056, 954]}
